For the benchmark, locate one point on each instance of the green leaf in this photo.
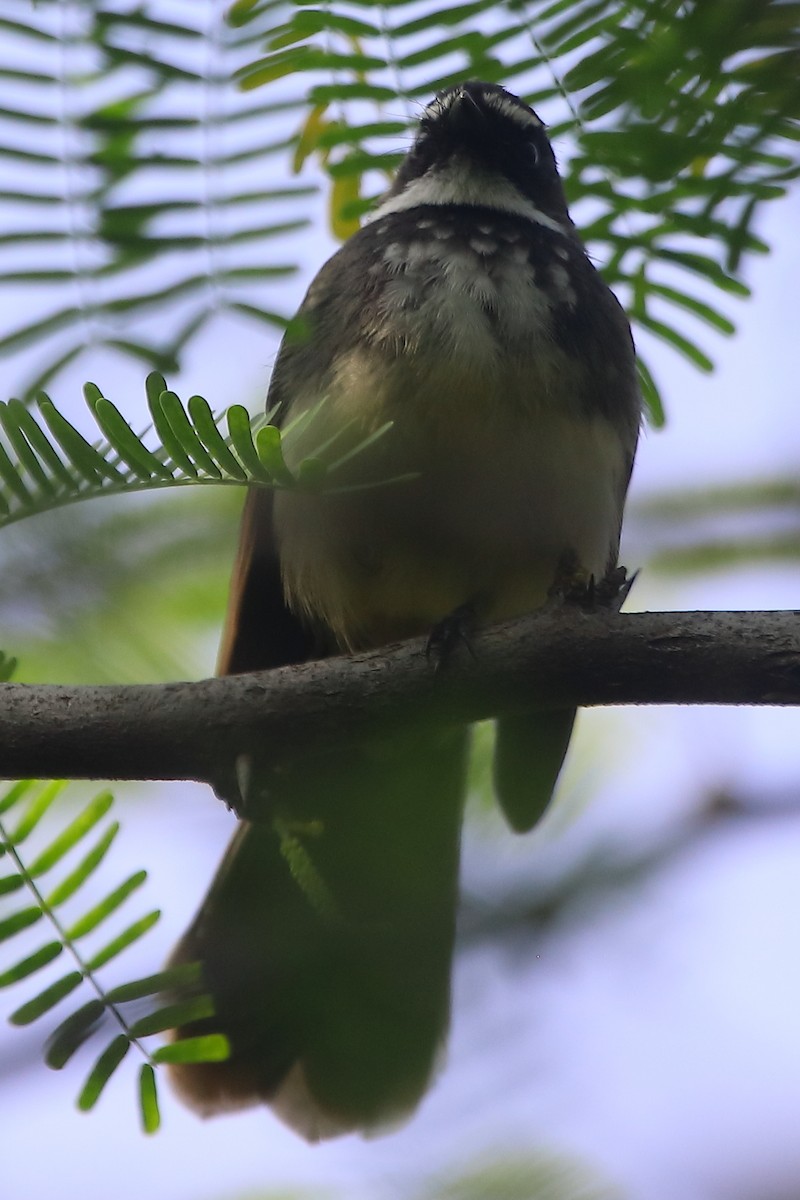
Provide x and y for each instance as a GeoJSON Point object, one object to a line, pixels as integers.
{"type": "Point", "coordinates": [52, 368]}
{"type": "Point", "coordinates": [106, 907]}
{"type": "Point", "coordinates": [102, 1071]}
{"type": "Point", "coordinates": [270, 455]}
{"type": "Point", "coordinates": [650, 394]}
{"type": "Point", "coordinates": [74, 832]}
{"type": "Point", "coordinates": [203, 419]}
{"type": "Point", "coordinates": [307, 21]}
{"type": "Point", "coordinates": [242, 441]}
{"type": "Point", "coordinates": [276, 66]}
{"type": "Point", "coordinates": [36, 810]}
{"type": "Point", "coordinates": [438, 17]}
{"type": "Point", "coordinates": [84, 869]}
{"type": "Point", "coordinates": [687, 348]}
{"type": "Point", "coordinates": [128, 446]}
{"type": "Point", "coordinates": [40, 446]}
{"type": "Point", "coordinates": [701, 264]}
{"type": "Point", "coordinates": [187, 435]}
{"type": "Point", "coordinates": [84, 458]}
{"type": "Point", "coordinates": [173, 979]}
{"type": "Point", "coordinates": [35, 331]}
{"type": "Point", "coordinates": [27, 458]}
{"type": "Point", "coordinates": [47, 999]}
{"type": "Point", "coordinates": [148, 1099]}
{"type": "Point", "coordinates": [123, 940]}
{"type": "Point", "coordinates": [265, 315]}
{"type": "Point", "coordinates": [22, 919]}
{"type": "Point", "coordinates": [241, 11]}
{"type": "Point", "coordinates": [312, 473]}
{"type": "Point", "coordinates": [697, 307]}
{"type": "Point", "coordinates": [213, 1047]}
{"type": "Point", "coordinates": [15, 794]}
{"type": "Point", "coordinates": [34, 962]}
{"type": "Point", "coordinates": [173, 1016]}
{"type": "Point", "coordinates": [72, 1033]}
{"type": "Point", "coordinates": [166, 432]}
{"type": "Point", "coordinates": [11, 478]}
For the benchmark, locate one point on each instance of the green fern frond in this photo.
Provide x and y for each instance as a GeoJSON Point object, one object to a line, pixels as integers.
{"type": "Point", "coordinates": [174, 996]}
{"type": "Point", "coordinates": [49, 463]}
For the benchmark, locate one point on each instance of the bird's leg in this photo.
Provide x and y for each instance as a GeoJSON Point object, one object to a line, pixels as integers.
{"type": "Point", "coordinates": [573, 586]}
{"type": "Point", "coordinates": [453, 630]}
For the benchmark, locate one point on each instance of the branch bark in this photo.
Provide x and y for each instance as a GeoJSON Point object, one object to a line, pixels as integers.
{"type": "Point", "coordinates": [550, 659]}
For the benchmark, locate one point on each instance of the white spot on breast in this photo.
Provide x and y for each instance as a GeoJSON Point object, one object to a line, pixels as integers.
{"type": "Point", "coordinates": [562, 284]}
{"type": "Point", "coordinates": [401, 256]}
{"type": "Point", "coordinates": [394, 253]}
{"type": "Point", "coordinates": [464, 300]}
{"type": "Point", "coordinates": [483, 245]}
{"type": "Point", "coordinates": [418, 252]}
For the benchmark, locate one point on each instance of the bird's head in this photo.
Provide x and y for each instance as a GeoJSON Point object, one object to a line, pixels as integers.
{"type": "Point", "coordinates": [478, 144]}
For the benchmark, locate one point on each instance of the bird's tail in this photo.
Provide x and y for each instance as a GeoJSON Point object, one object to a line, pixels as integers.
{"type": "Point", "coordinates": [528, 755]}
{"type": "Point", "coordinates": [326, 939]}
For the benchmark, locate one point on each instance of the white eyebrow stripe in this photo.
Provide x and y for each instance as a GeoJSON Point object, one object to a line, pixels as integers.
{"type": "Point", "coordinates": [505, 105]}
{"type": "Point", "coordinates": [515, 112]}
{"type": "Point", "coordinates": [450, 185]}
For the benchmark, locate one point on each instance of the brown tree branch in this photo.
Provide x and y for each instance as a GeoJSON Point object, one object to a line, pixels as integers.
{"type": "Point", "coordinates": [553, 658]}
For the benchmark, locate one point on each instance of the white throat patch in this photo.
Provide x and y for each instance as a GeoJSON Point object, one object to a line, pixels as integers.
{"type": "Point", "coordinates": [460, 182]}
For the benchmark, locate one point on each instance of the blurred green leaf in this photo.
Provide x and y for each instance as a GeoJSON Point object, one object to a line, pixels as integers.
{"type": "Point", "coordinates": [83, 824]}
{"type": "Point", "coordinates": [100, 912]}
{"type": "Point", "coordinates": [102, 1071]}
{"type": "Point", "coordinates": [70, 883]}
{"type": "Point", "coordinates": [148, 1099]}
{"type": "Point", "coordinates": [72, 1033]}
{"type": "Point", "coordinates": [36, 809]}
{"type": "Point", "coordinates": [31, 964]}
{"type": "Point", "coordinates": [123, 940]}
{"type": "Point", "coordinates": [212, 1048]}
{"type": "Point", "coordinates": [173, 1016]}
{"type": "Point", "coordinates": [187, 975]}
{"type": "Point", "coordinates": [47, 999]}
{"type": "Point", "coordinates": [22, 919]}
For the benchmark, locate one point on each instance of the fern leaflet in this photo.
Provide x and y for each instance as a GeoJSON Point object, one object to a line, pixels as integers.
{"type": "Point", "coordinates": [174, 996]}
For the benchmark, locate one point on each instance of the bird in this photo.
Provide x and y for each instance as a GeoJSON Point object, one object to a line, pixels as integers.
{"type": "Point", "coordinates": [466, 314]}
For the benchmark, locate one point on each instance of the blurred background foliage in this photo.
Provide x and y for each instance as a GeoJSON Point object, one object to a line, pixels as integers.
{"type": "Point", "coordinates": [172, 163]}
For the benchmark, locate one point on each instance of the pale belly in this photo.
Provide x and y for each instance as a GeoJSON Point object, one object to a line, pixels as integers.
{"type": "Point", "coordinates": [498, 508]}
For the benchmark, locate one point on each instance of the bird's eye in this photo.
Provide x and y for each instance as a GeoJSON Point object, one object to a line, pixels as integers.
{"type": "Point", "coordinates": [533, 152]}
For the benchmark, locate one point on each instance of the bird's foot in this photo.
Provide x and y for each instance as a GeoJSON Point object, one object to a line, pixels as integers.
{"type": "Point", "coordinates": [612, 590]}
{"type": "Point", "coordinates": [453, 630]}
{"type": "Point", "coordinates": [572, 586]}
